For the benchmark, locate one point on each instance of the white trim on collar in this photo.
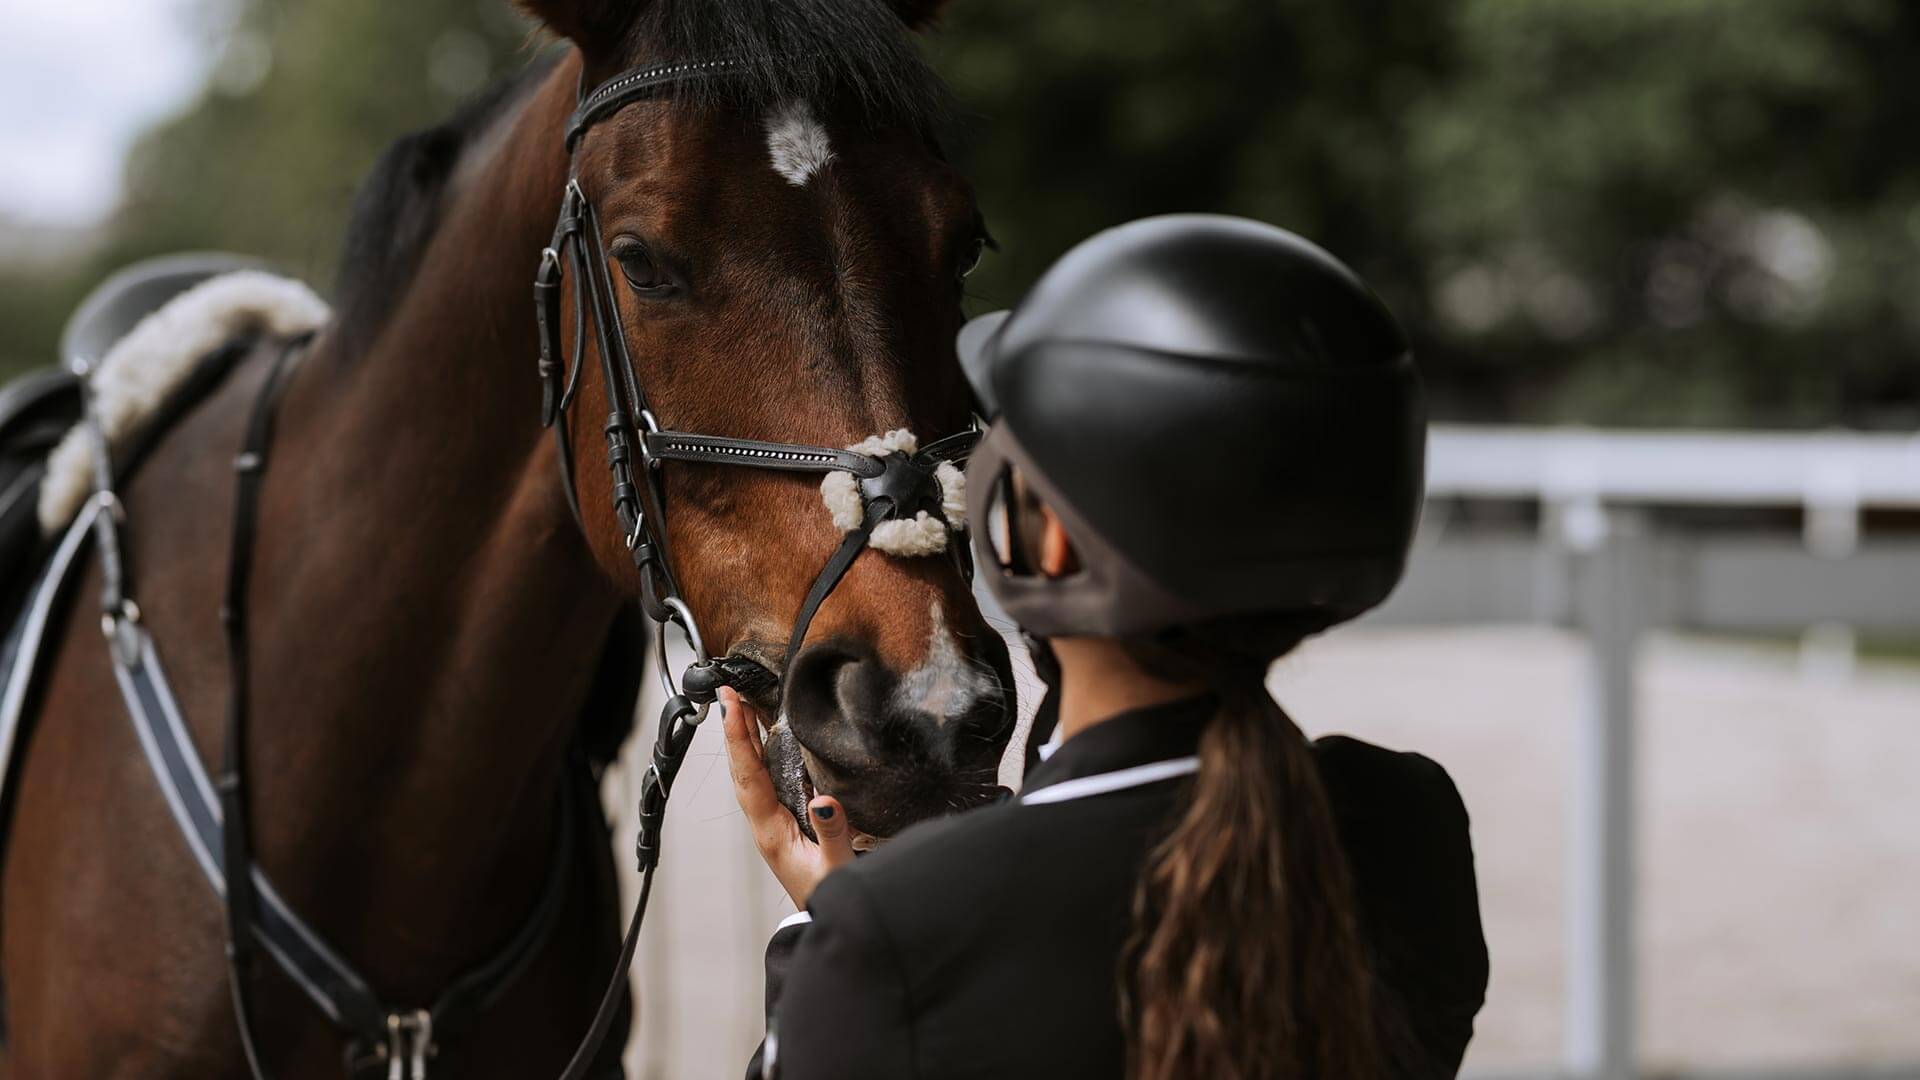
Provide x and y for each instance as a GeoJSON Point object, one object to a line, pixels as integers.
{"type": "Point", "coordinates": [798, 918]}
{"type": "Point", "coordinates": [1081, 787]}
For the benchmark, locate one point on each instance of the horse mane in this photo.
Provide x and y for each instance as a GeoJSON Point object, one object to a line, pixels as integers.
{"type": "Point", "coordinates": [857, 51]}
{"type": "Point", "coordinates": [854, 51]}
{"type": "Point", "coordinates": [397, 206]}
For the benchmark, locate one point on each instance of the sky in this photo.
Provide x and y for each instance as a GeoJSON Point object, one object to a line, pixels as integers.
{"type": "Point", "coordinates": [68, 113]}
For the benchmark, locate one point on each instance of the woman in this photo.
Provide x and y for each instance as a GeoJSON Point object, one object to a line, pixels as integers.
{"type": "Point", "coordinates": [1207, 445]}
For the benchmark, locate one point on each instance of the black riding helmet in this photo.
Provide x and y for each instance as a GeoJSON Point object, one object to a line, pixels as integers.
{"type": "Point", "coordinates": [1223, 416]}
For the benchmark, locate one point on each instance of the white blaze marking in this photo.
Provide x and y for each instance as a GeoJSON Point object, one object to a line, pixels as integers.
{"type": "Point", "coordinates": [946, 684]}
{"type": "Point", "coordinates": [797, 142]}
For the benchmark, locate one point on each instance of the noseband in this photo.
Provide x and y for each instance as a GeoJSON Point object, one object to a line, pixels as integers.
{"type": "Point", "coordinates": [894, 486]}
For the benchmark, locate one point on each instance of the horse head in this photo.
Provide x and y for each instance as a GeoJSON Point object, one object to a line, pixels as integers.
{"type": "Point", "coordinates": [784, 249]}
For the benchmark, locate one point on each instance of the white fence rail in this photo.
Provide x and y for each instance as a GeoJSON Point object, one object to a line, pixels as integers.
{"type": "Point", "coordinates": [1598, 560]}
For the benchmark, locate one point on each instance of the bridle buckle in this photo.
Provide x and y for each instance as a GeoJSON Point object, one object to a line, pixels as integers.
{"type": "Point", "coordinates": [649, 427]}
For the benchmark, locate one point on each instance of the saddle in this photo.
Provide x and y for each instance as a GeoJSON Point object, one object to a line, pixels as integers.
{"type": "Point", "coordinates": [38, 408]}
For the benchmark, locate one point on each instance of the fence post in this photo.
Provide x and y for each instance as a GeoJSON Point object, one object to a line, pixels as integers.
{"type": "Point", "coordinates": [1611, 579]}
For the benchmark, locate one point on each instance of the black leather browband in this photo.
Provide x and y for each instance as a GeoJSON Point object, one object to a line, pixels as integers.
{"type": "Point", "coordinates": [641, 82]}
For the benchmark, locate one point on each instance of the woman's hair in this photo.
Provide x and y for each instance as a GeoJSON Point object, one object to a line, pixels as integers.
{"type": "Point", "coordinates": [1245, 959]}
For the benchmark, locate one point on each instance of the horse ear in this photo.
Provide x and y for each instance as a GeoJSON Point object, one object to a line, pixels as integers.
{"type": "Point", "coordinates": [590, 24]}
{"type": "Point", "coordinates": [919, 14]}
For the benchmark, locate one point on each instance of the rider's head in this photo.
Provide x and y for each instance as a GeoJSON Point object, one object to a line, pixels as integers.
{"type": "Point", "coordinates": [1222, 418]}
{"type": "Point", "coordinates": [1207, 444]}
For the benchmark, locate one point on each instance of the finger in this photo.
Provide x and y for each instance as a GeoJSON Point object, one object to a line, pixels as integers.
{"type": "Point", "coordinates": [752, 786]}
{"type": "Point", "coordinates": [830, 825]}
{"type": "Point", "coordinates": [755, 732]}
{"type": "Point", "coordinates": [731, 701]}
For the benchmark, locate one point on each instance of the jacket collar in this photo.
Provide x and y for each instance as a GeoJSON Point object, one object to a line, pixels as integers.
{"type": "Point", "coordinates": [1157, 733]}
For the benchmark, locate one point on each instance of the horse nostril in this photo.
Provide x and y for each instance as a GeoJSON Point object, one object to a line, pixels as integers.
{"type": "Point", "coordinates": [851, 709]}
{"type": "Point", "coordinates": [830, 695]}
{"type": "Point", "coordinates": [896, 747]}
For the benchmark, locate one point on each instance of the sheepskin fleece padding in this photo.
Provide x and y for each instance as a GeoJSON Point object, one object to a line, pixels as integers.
{"type": "Point", "coordinates": [923, 534]}
{"type": "Point", "coordinates": [144, 368]}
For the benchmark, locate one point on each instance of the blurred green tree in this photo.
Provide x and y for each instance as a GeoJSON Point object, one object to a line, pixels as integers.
{"type": "Point", "coordinates": [1617, 211]}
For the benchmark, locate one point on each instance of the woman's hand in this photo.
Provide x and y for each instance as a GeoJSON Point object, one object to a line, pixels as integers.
{"type": "Point", "coordinates": [797, 862]}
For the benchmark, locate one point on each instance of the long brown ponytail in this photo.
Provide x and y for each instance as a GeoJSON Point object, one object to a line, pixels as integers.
{"type": "Point", "coordinates": [1245, 961]}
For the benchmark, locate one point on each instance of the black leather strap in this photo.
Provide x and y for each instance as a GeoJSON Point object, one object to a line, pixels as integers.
{"type": "Point", "coordinates": [249, 466]}
{"type": "Point", "coordinates": [326, 979]}
{"type": "Point", "coordinates": [482, 987]}
{"type": "Point", "coordinates": [842, 559]}
{"type": "Point", "coordinates": [641, 82]}
{"type": "Point", "coordinates": [954, 449]}
{"type": "Point", "coordinates": [679, 719]}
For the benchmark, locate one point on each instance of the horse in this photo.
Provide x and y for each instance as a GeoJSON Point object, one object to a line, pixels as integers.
{"type": "Point", "coordinates": [428, 620]}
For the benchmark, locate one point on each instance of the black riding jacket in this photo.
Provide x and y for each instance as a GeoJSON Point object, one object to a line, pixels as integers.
{"type": "Point", "coordinates": [986, 945]}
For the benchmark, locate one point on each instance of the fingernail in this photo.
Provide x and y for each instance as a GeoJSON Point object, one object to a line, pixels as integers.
{"type": "Point", "coordinates": [824, 811]}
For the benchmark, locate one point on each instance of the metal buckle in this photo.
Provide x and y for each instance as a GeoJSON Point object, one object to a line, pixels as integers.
{"type": "Point", "coordinates": [409, 1044]}
{"type": "Point", "coordinates": [682, 616]}
{"type": "Point", "coordinates": [650, 426]}
{"type": "Point", "coordinates": [111, 503]}
{"type": "Point", "coordinates": [117, 627]}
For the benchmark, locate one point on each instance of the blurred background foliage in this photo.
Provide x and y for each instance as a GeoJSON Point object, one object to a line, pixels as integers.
{"type": "Point", "coordinates": [1695, 212]}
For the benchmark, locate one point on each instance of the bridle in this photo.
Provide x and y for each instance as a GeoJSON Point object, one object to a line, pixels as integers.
{"type": "Point", "coordinates": [893, 486]}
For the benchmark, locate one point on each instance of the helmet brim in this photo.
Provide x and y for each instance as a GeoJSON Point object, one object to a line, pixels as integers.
{"type": "Point", "coordinates": [978, 346]}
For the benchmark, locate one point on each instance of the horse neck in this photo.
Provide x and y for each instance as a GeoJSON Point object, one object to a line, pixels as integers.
{"type": "Point", "coordinates": [435, 617]}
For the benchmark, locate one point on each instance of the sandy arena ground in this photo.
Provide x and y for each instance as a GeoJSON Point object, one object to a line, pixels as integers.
{"type": "Point", "coordinates": [1779, 831]}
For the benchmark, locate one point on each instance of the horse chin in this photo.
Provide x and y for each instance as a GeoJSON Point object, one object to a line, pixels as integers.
{"type": "Point", "coordinates": [794, 784]}
{"type": "Point", "coordinates": [787, 764]}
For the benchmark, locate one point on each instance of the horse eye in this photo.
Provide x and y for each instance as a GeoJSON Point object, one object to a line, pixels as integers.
{"type": "Point", "coordinates": [974, 254]}
{"type": "Point", "coordinates": [641, 271]}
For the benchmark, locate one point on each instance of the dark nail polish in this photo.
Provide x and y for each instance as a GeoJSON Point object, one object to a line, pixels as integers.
{"type": "Point", "coordinates": [824, 813]}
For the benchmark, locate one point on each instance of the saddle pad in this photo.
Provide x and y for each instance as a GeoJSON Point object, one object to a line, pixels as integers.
{"type": "Point", "coordinates": [140, 376]}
